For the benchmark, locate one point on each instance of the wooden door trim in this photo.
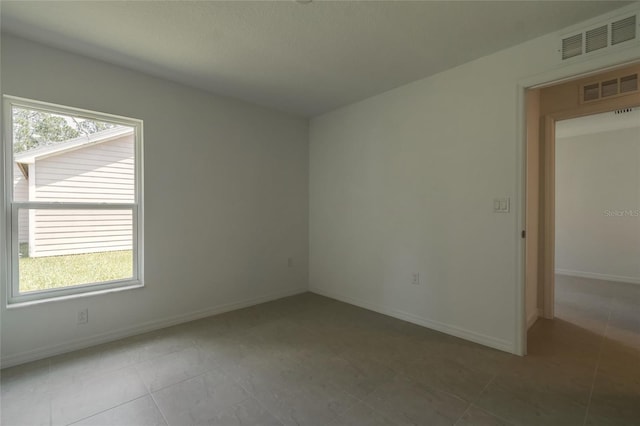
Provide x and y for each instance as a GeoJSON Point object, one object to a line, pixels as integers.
{"type": "Point", "coordinates": [548, 289]}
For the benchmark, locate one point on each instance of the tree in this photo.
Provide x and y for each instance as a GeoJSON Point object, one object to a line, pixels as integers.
{"type": "Point", "coordinates": [33, 129]}
{"type": "Point", "coordinates": [87, 127]}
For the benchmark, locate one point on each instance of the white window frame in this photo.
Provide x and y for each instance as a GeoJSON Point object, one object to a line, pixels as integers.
{"type": "Point", "coordinates": [9, 223]}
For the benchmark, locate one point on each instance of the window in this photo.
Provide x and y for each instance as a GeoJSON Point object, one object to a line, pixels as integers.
{"type": "Point", "coordinates": [73, 201]}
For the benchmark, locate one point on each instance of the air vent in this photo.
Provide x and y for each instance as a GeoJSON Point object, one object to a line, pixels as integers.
{"type": "Point", "coordinates": [623, 111]}
{"type": "Point", "coordinates": [591, 92]}
{"type": "Point", "coordinates": [618, 86]}
{"type": "Point", "coordinates": [572, 46]}
{"type": "Point", "coordinates": [623, 30]}
{"type": "Point", "coordinates": [609, 88]}
{"type": "Point", "coordinates": [599, 38]}
{"type": "Point", "coordinates": [629, 83]}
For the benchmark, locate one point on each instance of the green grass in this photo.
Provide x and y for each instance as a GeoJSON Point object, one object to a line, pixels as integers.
{"type": "Point", "coordinates": [43, 273]}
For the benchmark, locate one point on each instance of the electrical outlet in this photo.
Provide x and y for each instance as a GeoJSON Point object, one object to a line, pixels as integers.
{"type": "Point", "coordinates": [83, 316]}
{"type": "Point", "coordinates": [415, 278]}
{"type": "Point", "coordinates": [290, 262]}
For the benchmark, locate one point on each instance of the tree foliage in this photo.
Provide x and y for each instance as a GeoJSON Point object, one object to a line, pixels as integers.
{"type": "Point", "coordinates": [33, 129]}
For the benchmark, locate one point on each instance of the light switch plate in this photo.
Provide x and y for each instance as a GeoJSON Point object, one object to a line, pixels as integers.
{"type": "Point", "coordinates": [501, 205]}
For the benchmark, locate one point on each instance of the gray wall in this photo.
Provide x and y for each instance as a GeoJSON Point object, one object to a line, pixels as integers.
{"type": "Point", "coordinates": [226, 201]}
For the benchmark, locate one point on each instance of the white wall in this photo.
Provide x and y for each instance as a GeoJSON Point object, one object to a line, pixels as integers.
{"type": "Point", "coordinates": [404, 182]}
{"type": "Point", "coordinates": [598, 205]}
{"type": "Point", "coordinates": [226, 201]}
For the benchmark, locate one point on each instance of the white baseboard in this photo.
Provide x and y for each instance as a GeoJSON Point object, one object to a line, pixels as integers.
{"type": "Point", "coordinates": [72, 345]}
{"type": "Point", "coordinates": [462, 333]}
{"type": "Point", "coordinates": [596, 276]}
{"type": "Point", "coordinates": [533, 318]}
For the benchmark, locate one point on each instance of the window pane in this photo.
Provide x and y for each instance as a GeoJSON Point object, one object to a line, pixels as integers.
{"type": "Point", "coordinates": [63, 248]}
{"type": "Point", "coordinates": [62, 158]}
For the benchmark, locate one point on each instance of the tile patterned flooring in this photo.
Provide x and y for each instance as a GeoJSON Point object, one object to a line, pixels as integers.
{"type": "Point", "coordinates": [310, 360]}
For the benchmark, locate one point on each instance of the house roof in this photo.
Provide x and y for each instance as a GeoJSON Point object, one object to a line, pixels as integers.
{"type": "Point", "coordinates": [29, 157]}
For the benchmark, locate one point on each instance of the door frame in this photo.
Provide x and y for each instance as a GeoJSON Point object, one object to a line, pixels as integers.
{"type": "Point", "coordinates": [555, 76]}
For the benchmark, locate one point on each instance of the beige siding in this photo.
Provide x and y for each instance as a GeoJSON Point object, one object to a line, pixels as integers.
{"type": "Point", "coordinates": [21, 193]}
{"type": "Point", "coordinates": [96, 173]}
{"type": "Point", "coordinates": [60, 232]}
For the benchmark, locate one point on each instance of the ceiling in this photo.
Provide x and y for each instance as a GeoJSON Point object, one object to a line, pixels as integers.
{"type": "Point", "coordinates": [306, 59]}
{"type": "Point", "coordinates": [599, 123]}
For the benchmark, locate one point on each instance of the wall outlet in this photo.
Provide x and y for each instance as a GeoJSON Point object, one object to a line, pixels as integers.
{"type": "Point", "coordinates": [83, 316]}
{"type": "Point", "coordinates": [415, 278]}
{"type": "Point", "coordinates": [290, 262]}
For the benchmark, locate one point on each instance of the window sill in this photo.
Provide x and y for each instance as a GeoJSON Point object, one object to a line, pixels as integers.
{"type": "Point", "coordinates": [29, 303]}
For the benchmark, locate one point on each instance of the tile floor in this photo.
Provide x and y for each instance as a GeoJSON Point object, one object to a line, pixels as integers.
{"type": "Point", "coordinates": [309, 360]}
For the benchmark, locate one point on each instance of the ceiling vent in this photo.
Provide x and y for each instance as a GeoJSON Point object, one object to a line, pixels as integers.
{"type": "Point", "coordinates": [620, 31]}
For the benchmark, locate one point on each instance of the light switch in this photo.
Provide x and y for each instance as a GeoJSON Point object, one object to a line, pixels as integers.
{"type": "Point", "coordinates": [501, 205]}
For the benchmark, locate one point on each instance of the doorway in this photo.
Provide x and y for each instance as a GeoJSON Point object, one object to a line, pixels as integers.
{"type": "Point", "coordinates": [597, 218]}
{"type": "Point", "coordinates": [580, 98]}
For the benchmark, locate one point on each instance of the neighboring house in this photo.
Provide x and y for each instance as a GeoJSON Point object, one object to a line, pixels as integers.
{"type": "Point", "coordinates": [21, 193]}
{"type": "Point", "coordinates": [96, 168]}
